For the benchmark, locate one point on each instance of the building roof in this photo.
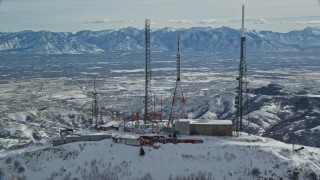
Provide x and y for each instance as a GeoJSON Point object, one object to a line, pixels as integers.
{"type": "Point", "coordinates": [188, 120]}
{"type": "Point", "coordinates": [126, 136]}
{"type": "Point", "coordinates": [214, 122]}
{"type": "Point", "coordinates": [211, 122]}
{"type": "Point", "coordinates": [111, 124]}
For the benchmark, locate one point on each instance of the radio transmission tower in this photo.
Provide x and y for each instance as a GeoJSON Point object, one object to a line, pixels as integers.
{"type": "Point", "coordinates": [178, 106]}
{"type": "Point", "coordinates": [147, 98]}
{"type": "Point", "coordinates": [242, 81]}
{"type": "Point", "coordinates": [95, 104]}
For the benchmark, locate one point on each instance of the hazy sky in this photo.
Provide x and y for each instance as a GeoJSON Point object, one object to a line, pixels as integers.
{"type": "Point", "coordinates": [75, 15]}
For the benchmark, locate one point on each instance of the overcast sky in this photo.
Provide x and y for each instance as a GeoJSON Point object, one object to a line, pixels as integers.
{"type": "Point", "coordinates": [76, 15]}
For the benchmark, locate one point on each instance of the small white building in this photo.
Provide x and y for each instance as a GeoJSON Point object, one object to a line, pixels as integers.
{"type": "Point", "coordinates": [182, 126]}
{"type": "Point", "coordinates": [209, 128]}
{"type": "Point", "coordinates": [110, 125]}
{"type": "Point", "coordinates": [133, 140]}
{"type": "Point", "coordinates": [212, 128]}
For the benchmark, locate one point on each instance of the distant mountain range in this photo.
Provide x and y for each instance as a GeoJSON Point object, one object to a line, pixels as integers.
{"type": "Point", "coordinates": [132, 39]}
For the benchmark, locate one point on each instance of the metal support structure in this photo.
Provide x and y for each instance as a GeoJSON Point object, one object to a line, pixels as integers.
{"type": "Point", "coordinates": [95, 108]}
{"type": "Point", "coordinates": [147, 98]}
{"type": "Point", "coordinates": [161, 109]}
{"type": "Point", "coordinates": [242, 81]}
{"type": "Point", "coordinates": [101, 116]}
{"type": "Point", "coordinates": [178, 60]}
{"type": "Point", "coordinates": [155, 115]}
{"type": "Point", "coordinates": [178, 106]}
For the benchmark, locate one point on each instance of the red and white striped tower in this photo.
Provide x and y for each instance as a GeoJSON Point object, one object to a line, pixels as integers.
{"type": "Point", "coordinates": [178, 106]}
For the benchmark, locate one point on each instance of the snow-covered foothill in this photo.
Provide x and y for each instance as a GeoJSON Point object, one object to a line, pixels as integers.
{"type": "Point", "coordinates": [242, 157]}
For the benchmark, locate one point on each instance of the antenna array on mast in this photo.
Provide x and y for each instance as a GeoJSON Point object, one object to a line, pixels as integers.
{"type": "Point", "coordinates": [242, 81]}
{"type": "Point", "coordinates": [147, 99]}
{"type": "Point", "coordinates": [95, 104]}
{"type": "Point", "coordinates": [178, 60]}
{"type": "Point", "coordinates": [178, 106]}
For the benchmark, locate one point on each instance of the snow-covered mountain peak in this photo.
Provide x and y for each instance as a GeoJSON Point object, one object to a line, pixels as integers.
{"type": "Point", "coordinates": [197, 38]}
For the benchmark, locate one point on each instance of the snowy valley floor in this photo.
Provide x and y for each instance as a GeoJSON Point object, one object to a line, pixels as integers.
{"type": "Point", "coordinates": [244, 157]}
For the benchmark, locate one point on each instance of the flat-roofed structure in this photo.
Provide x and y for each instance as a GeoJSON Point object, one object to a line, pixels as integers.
{"type": "Point", "coordinates": [182, 126]}
{"type": "Point", "coordinates": [212, 128]}
{"type": "Point", "coordinates": [76, 137]}
{"type": "Point", "coordinates": [209, 128]}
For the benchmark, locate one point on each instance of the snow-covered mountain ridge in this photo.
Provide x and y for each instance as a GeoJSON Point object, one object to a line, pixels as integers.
{"type": "Point", "coordinates": [273, 111]}
{"type": "Point", "coordinates": [243, 157]}
{"type": "Point", "coordinates": [132, 39]}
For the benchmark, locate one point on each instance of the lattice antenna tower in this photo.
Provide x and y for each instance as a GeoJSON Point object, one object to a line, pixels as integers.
{"type": "Point", "coordinates": [242, 82]}
{"type": "Point", "coordinates": [95, 103]}
{"type": "Point", "coordinates": [178, 106]}
{"type": "Point", "coordinates": [147, 98]}
{"type": "Point", "coordinates": [178, 60]}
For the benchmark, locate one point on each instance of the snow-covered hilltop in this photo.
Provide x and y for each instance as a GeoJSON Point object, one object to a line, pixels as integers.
{"type": "Point", "coordinates": [132, 39]}
{"type": "Point", "coordinates": [283, 104]}
{"type": "Point", "coordinates": [244, 157]}
{"type": "Point", "coordinates": [42, 94]}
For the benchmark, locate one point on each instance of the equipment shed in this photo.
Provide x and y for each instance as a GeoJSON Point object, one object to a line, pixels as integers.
{"type": "Point", "coordinates": [212, 128]}
{"type": "Point", "coordinates": [183, 127]}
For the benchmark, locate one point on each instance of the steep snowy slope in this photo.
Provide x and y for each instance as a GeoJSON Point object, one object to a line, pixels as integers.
{"type": "Point", "coordinates": [38, 126]}
{"type": "Point", "coordinates": [272, 111]}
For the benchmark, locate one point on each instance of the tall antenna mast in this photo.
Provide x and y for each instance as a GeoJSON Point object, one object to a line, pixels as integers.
{"type": "Point", "coordinates": [95, 102]}
{"type": "Point", "coordinates": [161, 109]}
{"type": "Point", "coordinates": [242, 79]}
{"type": "Point", "coordinates": [242, 25]}
{"type": "Point", "coordinates": [147, 98]}
{"type": "Point", "coordinates": [178, 60]}
{"type": "Point", "coordinates": [179, 100]}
